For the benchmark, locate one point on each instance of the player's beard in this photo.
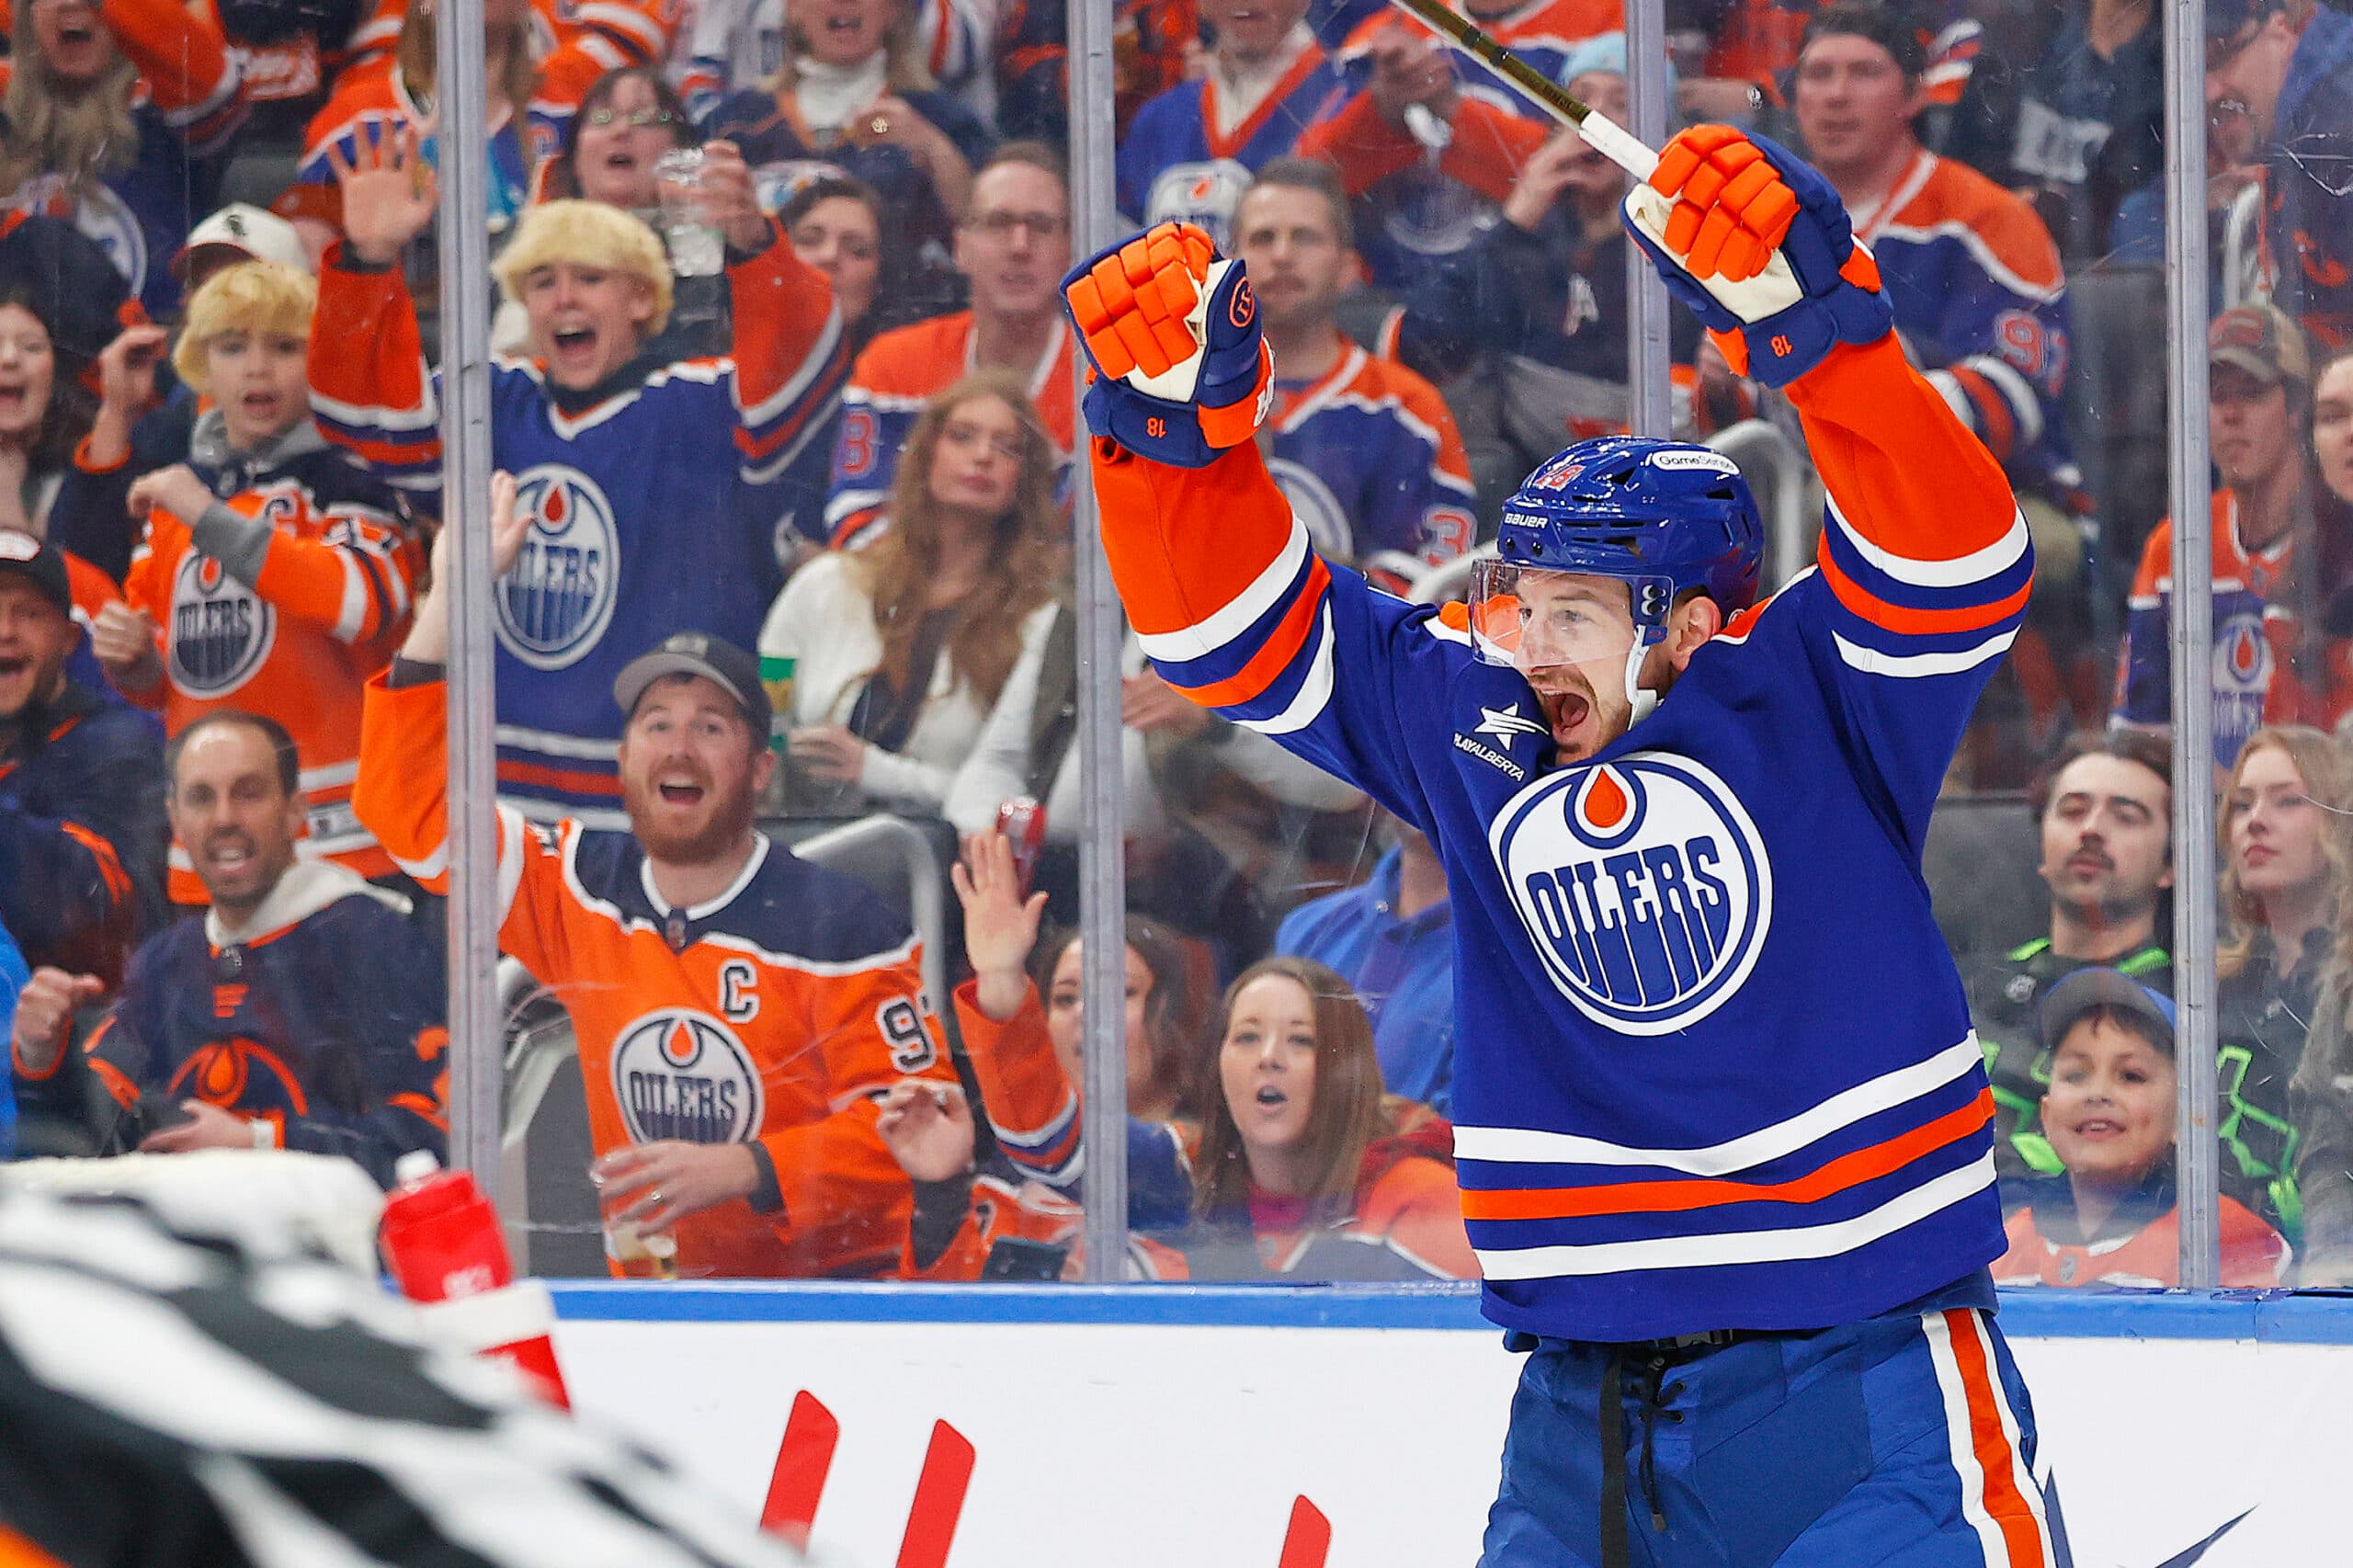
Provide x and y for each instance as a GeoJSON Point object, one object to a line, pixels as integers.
{"type": "Point", "coordinates": [713, 833]}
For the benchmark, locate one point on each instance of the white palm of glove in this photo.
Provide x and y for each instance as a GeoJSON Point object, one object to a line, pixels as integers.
{"type": "Point", "coordinates": [1181, 380]}
{"type": "Point", "coordinates": [1771, 293]}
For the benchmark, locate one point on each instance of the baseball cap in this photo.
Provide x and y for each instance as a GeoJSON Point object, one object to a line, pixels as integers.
{"type": "Point", "coordinates": [2261, 341]}
{"type": "Point", "coordinates": [25, 556]}
{"type": "Point", "coordinates": [2089, 988]}
{"type": "Point", "coordinates": [698, 653]}
{"type": "Point", "coordinates": [249, 231]}
{"type": "Point", "coordinates": [1605, 53]}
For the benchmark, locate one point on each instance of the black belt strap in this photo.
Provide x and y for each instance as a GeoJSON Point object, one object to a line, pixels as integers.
{"type": "Point", "coordinates": [1614, 1552]}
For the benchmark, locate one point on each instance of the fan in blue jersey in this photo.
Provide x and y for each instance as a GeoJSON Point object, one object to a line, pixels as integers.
{"type": "Point", "coordinates": [1721, 1123]}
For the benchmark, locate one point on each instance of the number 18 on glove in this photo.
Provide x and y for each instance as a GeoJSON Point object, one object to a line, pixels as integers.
{"type": "Point", "coordinates": [1182, 371]}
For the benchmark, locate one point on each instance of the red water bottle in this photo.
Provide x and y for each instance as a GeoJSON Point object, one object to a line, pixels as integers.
{"type": "Point", "coordinates": [1023, 821]}
{"type": "Point", "coordinates": [441, 1237]}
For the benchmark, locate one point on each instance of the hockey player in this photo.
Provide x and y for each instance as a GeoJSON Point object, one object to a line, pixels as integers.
{"type": "Point", "coordinates": [653, 486]}
{"type": "Point", "coordinates": [738, 1009]}
{"type": "Point", "coordinates": [1721, 1127]}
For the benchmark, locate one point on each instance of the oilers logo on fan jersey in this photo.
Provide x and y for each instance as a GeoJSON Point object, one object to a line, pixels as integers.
{"type": "Point", "coordinates": [221, 632]}
{"type": "Point", "coordinates": [2243, 670]}
{"type": "Point", "coordinates": [1644, 884]}
{"type": "Point", "coordinates": [682, 1073]}
{"type": "Point", "coordinates": [558, 599]}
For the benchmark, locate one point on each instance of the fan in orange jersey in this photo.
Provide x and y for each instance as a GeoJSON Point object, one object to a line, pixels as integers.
{"type": "Point", "coordinates": [275, 572]}
{"type": "Point", "coordinates": [738, 1009]}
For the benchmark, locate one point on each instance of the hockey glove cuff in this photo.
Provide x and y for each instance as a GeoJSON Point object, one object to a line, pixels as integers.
{"type": "Point", "coordinates": [1181, 370]}
{"type": "Point", "coordinates": [1758, 245]}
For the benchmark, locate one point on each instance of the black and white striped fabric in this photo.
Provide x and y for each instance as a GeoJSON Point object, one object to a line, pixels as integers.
{"type": "Point", "coordinates": [173, 1396]}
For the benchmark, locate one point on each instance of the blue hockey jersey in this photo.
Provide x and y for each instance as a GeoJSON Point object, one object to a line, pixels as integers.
{"type": "Point", "coordinates": [1176, 165]}
{"type": "Point", "coordinates": [1714, 1067]}
{"type": "Point", "coordinates": [654, 498]}
{"type": "Point", "coordinates": [1370, 459]}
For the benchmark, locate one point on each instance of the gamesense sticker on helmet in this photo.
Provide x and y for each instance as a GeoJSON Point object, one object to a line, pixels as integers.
{"type": "Point", "coordinates": [679, 1074]}
{"type": "Point", "coordinates": [1712, 462]}
{"type": "Point", "coordinates": [1645, 885]}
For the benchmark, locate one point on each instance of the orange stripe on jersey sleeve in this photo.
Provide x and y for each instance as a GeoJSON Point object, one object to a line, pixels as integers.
{"type": "Point", "coordinates": [1173, 566]}
{"type": "Point", "coordinates": [1913, 622]}
{"type": "Point", "coordinates": [1684, 1196]}
{"type": "Point", "coordinates": [1996, 425]}
{"type": "Point", "coordinates": [1907, 476]}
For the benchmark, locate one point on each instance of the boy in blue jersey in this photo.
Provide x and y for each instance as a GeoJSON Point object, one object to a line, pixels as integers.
{"type": "Point", "coordinates": [1721, 1123]}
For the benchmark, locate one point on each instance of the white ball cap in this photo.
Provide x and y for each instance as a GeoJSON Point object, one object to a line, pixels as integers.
{"type": "Point", "coordinates": [257, 234]}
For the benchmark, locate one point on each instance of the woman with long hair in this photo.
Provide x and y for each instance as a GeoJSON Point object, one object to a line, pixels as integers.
{"type": "Point", "coordinates": [2321, 659]}
{"type": "Point", "coordinates": [1306, 1169]}
{"type": "Point", "coordinates": [2321, 1095]}
{"type": "Point", "coordinates": [2287, 839]}
{"type": "Point", "coordinates": [109, 117]}
{"type": "Point", "coordinates": [899, 653]}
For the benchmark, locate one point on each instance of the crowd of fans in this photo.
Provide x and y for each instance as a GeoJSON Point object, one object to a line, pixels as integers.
{"type": "Point", "coordinates": [784, 407]}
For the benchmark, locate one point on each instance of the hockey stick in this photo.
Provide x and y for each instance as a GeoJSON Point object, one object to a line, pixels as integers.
{"type": "Point", "coordinates": [1609, 139]}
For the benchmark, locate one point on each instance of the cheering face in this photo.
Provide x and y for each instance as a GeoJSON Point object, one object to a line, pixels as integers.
{"type": "Point", "coordinates": [2105, 836]}
{"type": "Point", "coordinates": [619, 142]}
{"type": "Point", "coordinates": [585, 322]}
{"type": "Point", "coordinates": [1594, 174]}
{"type": "Point", "coordinates": [691, 770]}
{"type": "Point", "coordinates": [1066, 1019]}
{"type": "Point", "coordinates": [28, 372]}
{"type": "Point", "coordinates": [844, 32]}
{"type": "Point", "coordinates": [260, 381]}
{"type": "Point", "coordinates": [2274, 829]}
{"type": "Point", "coordinates": [840, 238]}
{"type": "Point", "coordinates": [1574, 633]}
{"type": "Point", "coordinates": [1267, 1063]}
{"type": "Point", "coordinates": [35, 637]}
{"type": "Point", "coordinates": [232, 815]}
{"type": "Point", "coordinates": [72, 39]}
{"type": "Point", "coordinates": [2109, 1110]}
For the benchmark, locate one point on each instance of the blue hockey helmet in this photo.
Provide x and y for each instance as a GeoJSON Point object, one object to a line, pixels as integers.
{"type": "Point", "coordinates": [1662, 517]}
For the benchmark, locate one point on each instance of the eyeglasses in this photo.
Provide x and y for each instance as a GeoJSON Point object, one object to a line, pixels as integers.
{"type": "Point", "coordinates": [636, 119]}
{"type": "Point", "coordinates": [1001, 225]}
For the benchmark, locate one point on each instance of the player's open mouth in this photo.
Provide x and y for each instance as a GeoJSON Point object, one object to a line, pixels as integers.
{"type": "Point", "coordinates": [231, 853]}
{"type": "Point", "coordinates": [681, 794]}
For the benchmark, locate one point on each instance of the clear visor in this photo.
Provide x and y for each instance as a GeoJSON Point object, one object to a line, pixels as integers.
{"type": "Point", "coordinates": [1532, 617]}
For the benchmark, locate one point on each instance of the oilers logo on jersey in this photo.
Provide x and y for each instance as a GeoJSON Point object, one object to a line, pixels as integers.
{"type": "Point", "coordinates": [1645, 885]}
{"type": "Point", "coordinates": [682, 1073]}
{"type": "Point", "coordinates": [558, 599]}
{"type": "Point", "coordinates": [2243, 670]}
{"type": "Point", "coordinates": [220, 1071]}
{"type": "Point", "coordinates": [1204, 194]}
{"type": "Point", "coordinates": [99, 213]}
{"type": "Point", "coordinates": [221, 632]}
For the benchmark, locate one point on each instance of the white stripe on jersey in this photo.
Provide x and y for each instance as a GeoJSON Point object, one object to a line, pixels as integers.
{"type": "Point", "coordinates": [1524, 1145]}
{"type": "Point", "coordinates": [1914, 666]}
{"type": "Point", "coordinates": [1221, 626]}
{"type": "Point", "coordinates": [1959, 572]}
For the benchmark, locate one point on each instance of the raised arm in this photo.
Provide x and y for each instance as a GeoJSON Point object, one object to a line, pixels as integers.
{"type": "Point", "coordinates": [1232, 605]}
{"type": "Point", "coordinates": [1925, 563]}
{"type": "Point", "coordinates": [370, 387]}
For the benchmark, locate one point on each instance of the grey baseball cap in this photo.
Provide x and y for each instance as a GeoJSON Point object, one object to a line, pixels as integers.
{"type": "Point", "coordinates": [698, 653]}
{"type": "Point", "coordinates": [2078, 994]}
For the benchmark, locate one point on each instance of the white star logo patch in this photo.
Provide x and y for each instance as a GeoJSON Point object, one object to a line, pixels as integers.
{"type": "Point", "coordinates": [1506, 724]}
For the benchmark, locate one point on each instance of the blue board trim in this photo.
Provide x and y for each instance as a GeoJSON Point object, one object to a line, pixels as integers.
{"type": "Point", "coordinates": [2273, 1317]}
